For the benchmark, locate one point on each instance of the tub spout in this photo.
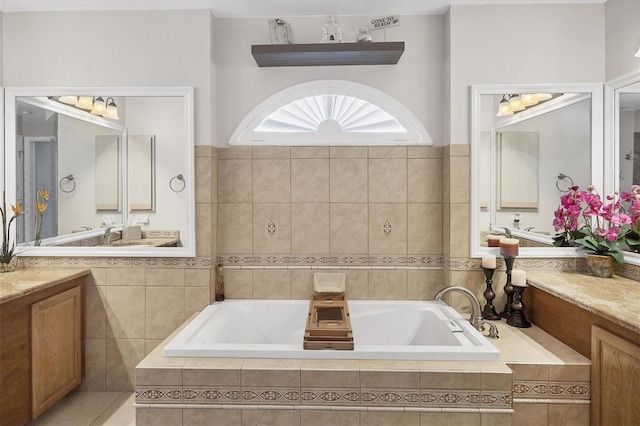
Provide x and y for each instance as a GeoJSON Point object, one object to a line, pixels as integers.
{"type": "Point", "coordinates": [476, 311]}
{"type": "Point", "coordinates": [493, 329]}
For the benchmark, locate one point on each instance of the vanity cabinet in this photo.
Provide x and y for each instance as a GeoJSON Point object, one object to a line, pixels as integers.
{"type": "Point", "coordinates": [56, 348]}
{"type": "Point", "coordinates": [41, 340]}
{"type": "Point", "coordinates": [588, 325]}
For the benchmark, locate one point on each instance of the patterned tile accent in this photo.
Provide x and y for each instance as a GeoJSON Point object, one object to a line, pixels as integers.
{"type": "Point", "coordinates": [326, 260]}
{"type": "Point", "coordinates": [387, 228]}
{"type": "Point", "coordinates": [88, 262]}
{"type": "Point", "coordinates": [530, 389]}
{"type": "Point", "coordinates": [523, 389]}
{"type": "Point", "coordinates": [159, 394]}
{"type": "Point", "coordinates": [390, 397]}
{"type": "Point", "coordinates": [328, 396]}
{"type": "Point", "coordinates": [282, 396]}
{"type": "Point", "coordinates": [208, 395]}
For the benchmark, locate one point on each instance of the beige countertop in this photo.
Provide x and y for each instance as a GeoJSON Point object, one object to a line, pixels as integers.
{"type": "Point", "coordinates": [616, 299]}
{"type": "Point", "coordinates": [24, 281]}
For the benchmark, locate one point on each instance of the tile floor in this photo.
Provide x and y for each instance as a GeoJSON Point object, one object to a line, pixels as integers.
{"type": "Point", "coordinates": [91, 408]}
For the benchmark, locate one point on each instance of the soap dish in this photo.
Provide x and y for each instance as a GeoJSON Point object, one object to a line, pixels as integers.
{"type": "Point", "coordinates": [324, 282]}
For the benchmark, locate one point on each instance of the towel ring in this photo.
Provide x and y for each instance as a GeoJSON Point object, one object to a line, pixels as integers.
{"type": "Point", "coordinates": [180, 178]}
{"type": "Point", "coordinates": [562, 176]}
{"type": "Point", "coordinates": [67, 179]}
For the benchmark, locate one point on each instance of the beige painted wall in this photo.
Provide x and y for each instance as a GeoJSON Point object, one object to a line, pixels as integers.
{"type": "Point", "coordinates": [622, 23]}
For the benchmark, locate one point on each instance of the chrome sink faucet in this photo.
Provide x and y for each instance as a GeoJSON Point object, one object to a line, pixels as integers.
{"type": "Point", "coordinates": [476, 311]}
{"type": "Point", "coordinates": [108, 234]}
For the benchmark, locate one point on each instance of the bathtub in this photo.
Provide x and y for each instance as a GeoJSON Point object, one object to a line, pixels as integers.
{"type": "Point", "coordinates": [397, 330]}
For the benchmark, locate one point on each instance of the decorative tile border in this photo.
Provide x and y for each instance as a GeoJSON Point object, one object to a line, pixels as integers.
{"type": "Point", "coordinates": [159, 394]}
{"type": "Point", "coordinates": [246, 259]}
{"type": "Point", "coordinates": [101, 262]}
{"type": "Point", "coordinates": [552, 390]}
{"type": "Point", "coordinates": [329, 396]}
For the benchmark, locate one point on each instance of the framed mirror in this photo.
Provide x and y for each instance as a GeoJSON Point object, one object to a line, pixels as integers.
{"type": "Point", "coordinates": [108, 180]}
{"type": "Point", "coordinates": [622, 126]}
{"type": "Point", "coordinates": [519, 160]}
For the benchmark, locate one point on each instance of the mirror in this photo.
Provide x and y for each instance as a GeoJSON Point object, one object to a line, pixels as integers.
{"type": "Point", "coordinates": [519, 164]}
{"type": "Point", "coordinates": [623, 127]}
{"type": "Point", "coordinates": [110, 182]}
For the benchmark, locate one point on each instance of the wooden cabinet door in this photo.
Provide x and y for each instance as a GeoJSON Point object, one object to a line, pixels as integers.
{"type": "Point", "coordinates": [615, 379]}
{"type": "Point", "coordinates": [56, 342]}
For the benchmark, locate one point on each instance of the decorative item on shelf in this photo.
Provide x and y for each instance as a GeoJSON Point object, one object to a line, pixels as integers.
{"type": "Point", "coordinates": [517, 318]}
{"type": "Point", "coordinates": [364, 35]}
{"type": "Point", "coordinates": [493, 240]}
{"type": "Point", "coordinates": [509, 250]}
{"type": "Point", "coordinates": [42, 200]}
{"type": "Point", "coordinates": [331, 33]}
{"type": "Point", "coordinates": [489, 267]}
{"type": "Point", "coordinates": [280, 31]}
{"type": "Point", "coordinates": [598, 227]}
{"type": "Point", "coordinates": [7, 261]}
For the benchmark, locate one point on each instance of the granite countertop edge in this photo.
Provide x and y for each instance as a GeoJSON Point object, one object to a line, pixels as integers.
{"type": "Point", "coordinates": [34, 280]}
{"type": "Point", "coordinates": [616, 299]}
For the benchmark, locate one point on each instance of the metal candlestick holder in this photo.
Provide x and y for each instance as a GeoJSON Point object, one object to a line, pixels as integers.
{"type": "Point", "coordinates": [508, 287]}
{"type": "Point", "coordinates": [517, 318]}
{"type": "Point", "coordinates": [489, 311]}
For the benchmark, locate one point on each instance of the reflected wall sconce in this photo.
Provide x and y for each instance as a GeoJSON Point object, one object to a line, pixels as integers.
{"type": "Point", "coordinates": [96, 105]}
{"type": "Point", "coordinates": [638, 53]}
{"type": "Point", "coordinates": [514, 103]}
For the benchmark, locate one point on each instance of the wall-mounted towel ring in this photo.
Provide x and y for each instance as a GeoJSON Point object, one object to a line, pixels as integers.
{"type": "Point", "coordinates": [180, 178]}
{"type": "Point", "coordinates": [69, 180]}
{"type": "Point", "coordinates": [562, 176]}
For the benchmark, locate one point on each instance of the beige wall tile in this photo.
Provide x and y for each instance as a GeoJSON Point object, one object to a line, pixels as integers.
{"type": "Point", "coordinates": [387, 284]}
{"type": "Point", "coordinates": [425, 151]}
{"type": "Point", "coordinates": [388, 228]}
{"type": "Point", "coordinates": [348, 180]}
{"type": "Point", "coordinates": [276, 377]}
{"type": "Point", "coordinates": [271, 417]}
{"type": "Point", "coordinates": [310, 228]}
{"type": "Point", "coordinates": [569, 415]}
{"type": "Point", "coordinates": [235, 228]}
{"type": "Point", "coordinates": [310, 180]}
{"type": "Point", "coordinates": [387, 180]}
{"type": "Point", "coordinates": [124, 276]}
{"type": "Point", "coordinates": [214, 180]}
{"type": "Point", "coordinates": [570, 373]}
{"type": "Point", "coordinates": [164, 311]}
{"type": "Point", "coordinates": [272, 152]}
{"type": "Point", "coordinates": [396, 418]}
{"type": "Point", "coordinates": [449, 380]}
{"type": "Point", "coordinates": [459, 238]}
{"type": "Point", "coordinates": [159, 376]}
{"type": "Point", "coordinates": [321, 378]}
{"type": "Point", "coordinates": [195, 300]}
{"type": "Point", "coordinates": [530, 414]}
{"type": "Point", "coordinates": [387, 152]}
{"type": "Point", "coordinates": [165, 277]}
{"type": "Point", "coordinates": [424, 180]}
{"type": "Point", "coordinates": [125, 312]}
{"type": "Point", "coordinates": [211, 417]}
{"type": "Point", "coordinates": [450, 419]}
{"type": "Point", "coordinates": [122, 357]}
{"type": "Point", "coordinates": [302, 283]}
{"type": "Point", "coordinates": [151, 344]}
{"type": "Point", "coordinates": [348, 152]}
{"type": "Point", "coordinates": [197, 277]}
{"type": "Point", "coordinates": [234, 153]}
{"type": "Point", "coordinates": [271, 181]}
{"type": "Point", "coordinates": [98, 276]}
{"type": "Point", "coordinates": [424, 228]}
{"type": "Point", "coordinates": [423, 285]}
{"type": "Point", "coordinates": [538, 372]}
{"type": "Point", "coordinates": [235, 181]}
{"type": "Point", "coordinates": [203, 179]}
{"type": "Point", "coordinates": [158, 417]}
{"type": "Point", "coordinates": [271, 284]}
{"type": "Point", "coordinates": [495, 419]}
{"type": "Point", "coordinates": [265, 215]}
{"type": "Point", "coordinates": [348, 228]}
{"type": "Point", "coordinates": [459, 150]}
{"type": "Point", "coordinates": [357, 284]}
{"type": "Point", "coordinates": [238, 284]}
{"type": "Point", "coordinates": [460, 172]}
{"type": "Point", "coordinates": [326, 417]}
{"type": "Point", "coordinates": [203, 225]}
{"type": "Point", "coordinates": [95, 312]}
{"type": "Point", "coordinates": [203, 150]}
{"type": "Point", "coordinates": [309, 152]}
{"type": "Point", "coordinates": [95, 358]}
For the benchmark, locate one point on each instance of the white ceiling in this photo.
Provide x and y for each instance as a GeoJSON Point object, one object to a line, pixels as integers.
{"type": "Point", "coordinates": [270, 8]}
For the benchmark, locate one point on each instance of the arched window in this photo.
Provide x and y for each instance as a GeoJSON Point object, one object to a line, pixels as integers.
{"type": "Point", "coordinates": [330, 112]}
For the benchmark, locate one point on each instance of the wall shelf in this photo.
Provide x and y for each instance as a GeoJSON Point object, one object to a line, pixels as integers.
{"type": "Point", "coordinates": [291, 55]}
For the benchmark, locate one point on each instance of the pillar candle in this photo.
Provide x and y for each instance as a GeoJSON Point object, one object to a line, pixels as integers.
{"type": "Point", "coordinates": [519, 278]}
{"type": "Point", "coordinates": [489, 261]}
{"type": "Point", "coordinates": [493, 240]}
{"type": "Point", "coordinates": [509, 246]}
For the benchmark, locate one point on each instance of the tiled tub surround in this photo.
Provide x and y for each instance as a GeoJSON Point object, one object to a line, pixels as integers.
{"type": "Point", "coordinates": [538, 381]}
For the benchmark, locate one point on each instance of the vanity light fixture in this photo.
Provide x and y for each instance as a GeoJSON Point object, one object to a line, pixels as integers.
{"type": "Point", "coordinates": [96, 105]}
{"type": "Point", "coordinates": [514, 103]}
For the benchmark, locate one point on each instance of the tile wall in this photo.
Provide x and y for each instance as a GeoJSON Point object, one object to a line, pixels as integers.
{"type": "Point", "coordinates": [375, 213]}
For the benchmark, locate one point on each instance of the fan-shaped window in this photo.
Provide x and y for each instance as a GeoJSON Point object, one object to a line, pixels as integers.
{"type": "Point", "coordinates": [330, 112]}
